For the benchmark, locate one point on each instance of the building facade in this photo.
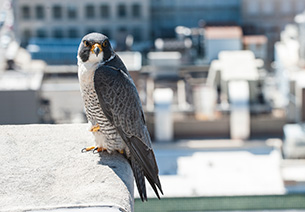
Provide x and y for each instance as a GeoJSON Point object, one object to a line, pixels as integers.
{"type": "Point", "coordinates": [148, 20]}
{"type": "Point", "coordinates": [167, 14]}
{"type": "Point", "coordinates": [219, 39]}
{"type": "Point", "coordinates": [269, 17]}
{"type": "Point", "coordinates": [75, 18]}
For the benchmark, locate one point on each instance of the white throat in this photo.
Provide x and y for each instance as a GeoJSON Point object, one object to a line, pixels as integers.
{"type": "Point", "coordinates": [86, 69]}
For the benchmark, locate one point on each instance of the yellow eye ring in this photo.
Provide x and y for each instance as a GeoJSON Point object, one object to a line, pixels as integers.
{"type": "Point", "coordinates": [104, 44]}
{"type": "Point", "coordinates": [86, 43]}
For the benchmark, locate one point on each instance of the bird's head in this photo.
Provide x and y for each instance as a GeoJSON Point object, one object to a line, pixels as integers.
{"type": "Point", "coordinates": [94, 47]}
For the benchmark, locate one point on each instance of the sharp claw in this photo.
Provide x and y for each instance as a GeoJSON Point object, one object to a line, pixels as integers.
{"type": "Point", "coordinates": [95, 150]}
{"type": "Point", "coordinates": [83, 150]}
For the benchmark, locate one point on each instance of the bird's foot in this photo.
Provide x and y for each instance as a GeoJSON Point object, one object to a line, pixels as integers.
{"type": "Point", "coordinates": [99, 149]}
{"type": "Point", "coordinates": [95, 128]}
{"type": "Point", "coordinates": [95, 149]}
{"type": "Point", "coordinates": [87, 149]}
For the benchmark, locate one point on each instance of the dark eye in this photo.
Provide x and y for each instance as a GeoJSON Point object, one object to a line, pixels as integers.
{"type": "Point", "coordinates": [86, 43]}
{"type": "Point", "coordinates": [104, 44]}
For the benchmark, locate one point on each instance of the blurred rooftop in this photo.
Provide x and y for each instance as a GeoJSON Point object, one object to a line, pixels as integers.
{"type": "Point", "coordinates": [13, 80]}
{"type": "Point", "coordinates": [255, 39]}
{"type": "Point", "coordinates": [216, 32]}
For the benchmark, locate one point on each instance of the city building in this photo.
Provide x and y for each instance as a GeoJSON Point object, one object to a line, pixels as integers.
{"type": "Point", "coordinates": [290, 78]}
{"type": "Point", "coordinates": [74, 19]}
{"type": "Point", "coordinates": [166, 15]}
{"type": "Point", "coordinates": [20, 89]}
{"type": "Point", "coordinates": [219, 39]}
{"type": "Point", "coordinates": [257, 44]}
{"type": "Point", "coordinates": [269, 18]}
{"type": "Point", "coordinates": [288, 74]}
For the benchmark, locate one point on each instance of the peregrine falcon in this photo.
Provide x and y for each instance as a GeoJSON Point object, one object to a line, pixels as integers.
{"type": "Point", "coordinates": [114, 110]}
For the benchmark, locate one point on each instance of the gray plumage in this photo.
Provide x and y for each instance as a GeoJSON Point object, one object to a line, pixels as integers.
{"type": "Point", "coordinates": [112, 101]}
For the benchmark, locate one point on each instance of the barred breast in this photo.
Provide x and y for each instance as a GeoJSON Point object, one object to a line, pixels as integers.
{"type": "Point", "coordinates": [107, 136]}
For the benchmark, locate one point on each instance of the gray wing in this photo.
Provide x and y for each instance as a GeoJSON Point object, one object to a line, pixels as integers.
{"type": "Point", "coordinates": [121, 104]}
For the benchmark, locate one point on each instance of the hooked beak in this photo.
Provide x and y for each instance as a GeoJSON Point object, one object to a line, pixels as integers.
{"type": "Point", "coordinates": [96, 49]}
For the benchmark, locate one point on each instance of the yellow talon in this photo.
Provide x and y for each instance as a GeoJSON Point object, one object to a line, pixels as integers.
{"type": "Point", "coordinates": [95, 128]}
{"type": "Point", "coordinates": [88, 149]}
{"type": "Point", "coordinates": [100, 149]}
{"type": "Point", "coordinates": [121, 151]}
{"type": "Point", "coordinates": [95, 149]}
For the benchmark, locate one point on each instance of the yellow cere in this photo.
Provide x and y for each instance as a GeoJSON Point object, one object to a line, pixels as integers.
{"type": "Point", "coordinates": [96, 45]}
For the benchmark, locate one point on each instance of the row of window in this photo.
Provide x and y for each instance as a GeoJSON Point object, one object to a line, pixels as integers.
{"type": "Point", "coordinates": [72, 11]}
{"type": "Point", "coordinates": [270, 7]}
{"type": "Point", "coordinates": [76, 33]}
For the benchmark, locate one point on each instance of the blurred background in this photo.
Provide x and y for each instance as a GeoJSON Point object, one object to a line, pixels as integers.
{"type": "Point", "coordinates": [222, 85]}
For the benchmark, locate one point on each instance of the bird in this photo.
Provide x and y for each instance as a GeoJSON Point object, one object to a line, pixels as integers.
{"type": "Point", "coordinates": [114, 110]}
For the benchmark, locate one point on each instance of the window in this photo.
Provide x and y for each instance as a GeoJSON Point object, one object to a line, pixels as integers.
{"type": "Point", "coordinates": [57, 12]}
{"type": "Point", "coordinates": [286, 7]}
{"type": "Point", "coordinates": [122, 13]}
{"type": "Point", "coordinates": [73, 33]}
{"type": "Point", "coordinates": [105, 11]}
{"type": "Point", "coordinates": [89, 30]}
{"type": "Point", "coordinates": [122, 29]}
{"type": "Point", "coordinates": [90, 13]}
{"type": "Point", "coordinates": [137, 34]}
{"type": "Point", "coordinates": [41, 33]}
{"type": "Point", "coordinates": [72, 12]}
{"type": "Point", "coordinates": [57, 33]}
{"type": "Point", "coordinates": [268, 7]}
{"type": "Point", "coordinates": [27, 34]}
{"type": "Point", "coordinates": [25, 11]}
{"type": "Point", "coordinates": [39, 12]}
{"type": "Point", "coordinates": [253, 7]}
{"type": "Point", "coordinates": [106, 32]}
{"type": "Point", "coordinates": [136, 10]}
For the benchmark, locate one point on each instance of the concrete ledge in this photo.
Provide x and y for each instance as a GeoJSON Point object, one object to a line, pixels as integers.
{"type": "Point", "coordinates": [42, 168]}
